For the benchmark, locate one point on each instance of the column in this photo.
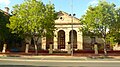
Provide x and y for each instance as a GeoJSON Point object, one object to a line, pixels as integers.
{"type": "Point", "coordinates": [79, 40]}
{"type": "Point", "coordinates": [55, 41]}
{"type": "Point", "coordinates": [67, 46]}
{"type": "Point", "coordinates": [44, 43]}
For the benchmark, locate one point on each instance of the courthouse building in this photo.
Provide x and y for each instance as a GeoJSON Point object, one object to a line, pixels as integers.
{"type": "Point", "coordinates": [62, 34]}
{"type": "Point", "coordinates": [65, 25]}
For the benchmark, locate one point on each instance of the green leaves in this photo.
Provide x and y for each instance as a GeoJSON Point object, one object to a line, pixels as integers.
{"type": "Point", "coordinates": [102, 21]}
{"type": "Point", "coordinates": [98, 18]}
{"type": "Point", "coordinates": [33, 16]}
{"type": "Point", "coordinates": [4, 31]}
{"type": "Point", "coordinates": [115, 27]}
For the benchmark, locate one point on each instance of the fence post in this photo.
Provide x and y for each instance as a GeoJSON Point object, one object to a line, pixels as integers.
{"type": "Point", "coordinates": [69, 47]}
{"type": "Point", "coordinates": [96, 48]}
{"type": "Point", "coordinates": [51, 48]}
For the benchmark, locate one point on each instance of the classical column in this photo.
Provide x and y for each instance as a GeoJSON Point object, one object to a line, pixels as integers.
{"type": "Point", "coordinates": [44, 43]}
{"type": "Point", "coordinates": [55, 40]}
{"type": "Point", "coordinates": [67, 46]}
{"type": "Point", "coordinates": [79, 40]}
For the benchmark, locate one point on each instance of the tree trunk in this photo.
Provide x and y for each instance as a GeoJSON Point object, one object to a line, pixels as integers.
{"type": "Point", "coordinates": [27, 48]}
{"type": "Point", "coordinates": [4, 48]}
{"type": "Point", "coordinates": [35, 43]}
{"type": "Point", "coordinates": [105, 51]}
{"type": "Point", "coordinates": [36, 50]}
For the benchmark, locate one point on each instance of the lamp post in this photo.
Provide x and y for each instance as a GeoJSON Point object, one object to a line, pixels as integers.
{"type": "Point", "coordinates": [72, 35]}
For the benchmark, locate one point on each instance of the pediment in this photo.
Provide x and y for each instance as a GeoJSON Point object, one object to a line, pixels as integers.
{"type": "Point", "coordinates": [65, 18]}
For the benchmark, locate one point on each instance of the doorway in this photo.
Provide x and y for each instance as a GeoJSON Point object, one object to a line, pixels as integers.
{"type": "Point", "coordinates": [61, 39]}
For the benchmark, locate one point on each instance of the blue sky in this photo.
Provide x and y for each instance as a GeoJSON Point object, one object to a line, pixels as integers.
{"type": "Point", "coordinates": [79, 6]}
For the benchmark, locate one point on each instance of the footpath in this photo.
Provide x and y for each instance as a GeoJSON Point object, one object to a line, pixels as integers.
{"type": "Point", "coordinates": [59, 57]}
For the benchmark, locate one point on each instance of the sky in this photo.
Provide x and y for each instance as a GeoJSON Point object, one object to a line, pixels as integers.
{"type": "Point", "coordinates": [79, 6]}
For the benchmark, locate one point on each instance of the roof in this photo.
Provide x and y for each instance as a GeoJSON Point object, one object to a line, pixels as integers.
{"type": "Point", "coordinates": [6, 13]}
{"type": "Point", "coordinates": [67, 14]}
{"type": "Point", "coordinates": [65, 18]}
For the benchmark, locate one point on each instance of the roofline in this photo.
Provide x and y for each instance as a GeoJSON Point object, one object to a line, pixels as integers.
{"type": "Point", "coordinates": [68, 15]}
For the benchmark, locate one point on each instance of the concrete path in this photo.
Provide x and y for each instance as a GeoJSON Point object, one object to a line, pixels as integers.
{"type": "Point", "coordinates": [59, 58]}
{"type": "Point", "coordinates": [61, 61]}
{"type": "Point", "coordinates": [20, 57]}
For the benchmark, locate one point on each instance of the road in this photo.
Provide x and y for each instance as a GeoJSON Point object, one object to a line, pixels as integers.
{"type": "Point", "coordinates": [57, 61]}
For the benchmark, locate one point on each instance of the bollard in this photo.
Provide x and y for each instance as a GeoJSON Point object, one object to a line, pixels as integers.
{"type": "Point", "coordinates": [27, 48]}
{"type": "Point", "coordinates": [4, 48]}
{"type": "Point", "coordinates": [51, 49]}
{"type": "Point", "coordinates": [69, 47]}
{"type": "Point", "coordinates": [96, 48]}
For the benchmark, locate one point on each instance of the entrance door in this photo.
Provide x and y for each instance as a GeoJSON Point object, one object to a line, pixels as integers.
{"type": "Point", "coordinates": [61, 39]}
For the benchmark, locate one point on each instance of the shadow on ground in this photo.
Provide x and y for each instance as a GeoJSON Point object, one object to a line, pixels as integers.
{"type": "Point", "coordinates": [20, 66]}
{"type": "Point", "coordinates": [100, 57]}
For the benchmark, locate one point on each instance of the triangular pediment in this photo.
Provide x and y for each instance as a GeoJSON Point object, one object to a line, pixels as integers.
{"type": "Point", "coordinates": [65, 18]}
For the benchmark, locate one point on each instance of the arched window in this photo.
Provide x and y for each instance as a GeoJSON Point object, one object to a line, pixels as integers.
{"type": "Point", "coordinates": [61, 39]}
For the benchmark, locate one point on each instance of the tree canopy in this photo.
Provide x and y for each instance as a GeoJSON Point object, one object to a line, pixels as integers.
{"type": "Point", "coordinates": [115, 29]}
{"type": "Point", "coordinates": [33, 17]}
{"type": "Point", "coordinates": [4, 31]}
{"type": "Point", "coordinates": [98, 19]}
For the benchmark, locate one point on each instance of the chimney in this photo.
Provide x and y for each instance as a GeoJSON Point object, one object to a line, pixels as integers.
{"type": "Point", "coordinates": [7, 9]}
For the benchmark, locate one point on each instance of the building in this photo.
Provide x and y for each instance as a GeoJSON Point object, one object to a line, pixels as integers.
{"type": "Point", "coordinates": [63, 33]}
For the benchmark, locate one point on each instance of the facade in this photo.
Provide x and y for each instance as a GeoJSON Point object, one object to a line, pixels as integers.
{"type": "Point", "coordinates": [62, 34]}
{"type": "Point", "coordinates": [88, 43]}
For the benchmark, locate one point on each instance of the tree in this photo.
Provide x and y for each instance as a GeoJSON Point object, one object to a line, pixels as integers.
{"type": "Point", "coordinates": [4, 31]}
{"type": "Point", "coordinates": [115, 28]}
{"type": "Point", "coordinates": [33, 19]}
{"type": "Point", "coordinates": [98, 20]}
